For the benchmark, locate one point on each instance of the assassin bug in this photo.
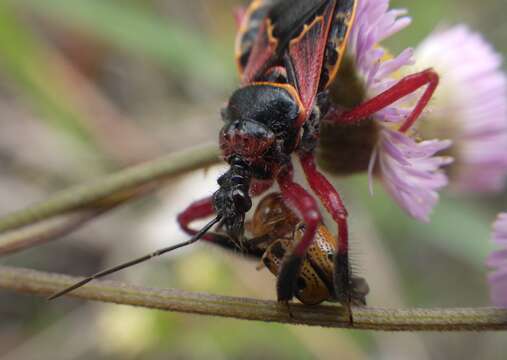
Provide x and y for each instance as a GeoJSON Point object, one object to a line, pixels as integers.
{"type": "Point", "coordinates": [288, 54]}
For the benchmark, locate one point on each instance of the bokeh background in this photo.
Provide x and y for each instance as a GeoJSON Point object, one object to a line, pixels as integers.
{"type": "Point", "coordinates": [91, 86]}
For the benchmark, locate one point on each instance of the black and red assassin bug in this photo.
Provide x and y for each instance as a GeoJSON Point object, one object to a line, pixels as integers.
{"type": "Point", "coordinates": [288, 54]}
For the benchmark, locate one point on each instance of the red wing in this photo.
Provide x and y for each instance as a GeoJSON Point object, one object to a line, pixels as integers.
{"type": "Point", "coordinates": [251, 26]}
{"type": "Point", "coordinates": [284, 23]}
{"type": "Point", "coordinates": [306, 54]}
{"type": "Point", "coordinates": [263, 51]}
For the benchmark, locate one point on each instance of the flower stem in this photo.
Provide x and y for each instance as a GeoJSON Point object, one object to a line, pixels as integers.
{"type": "Point", "coordinates": [109, 188]}
{"type": "Point", "coordinates": [365, 318]}
{"type": "Point", "coordinates": [45, 231]}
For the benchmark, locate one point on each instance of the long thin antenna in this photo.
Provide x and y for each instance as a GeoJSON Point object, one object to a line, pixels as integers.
{"type": "Point", "coordinates": [116, 268]}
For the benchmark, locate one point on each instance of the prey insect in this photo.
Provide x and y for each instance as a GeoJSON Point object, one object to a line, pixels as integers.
{"type": "Point", "coordinates": [275, 229]}
{"type": "Point", "coordinates": [288, 54]}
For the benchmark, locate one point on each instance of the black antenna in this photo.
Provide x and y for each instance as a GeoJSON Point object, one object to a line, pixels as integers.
{"type": "Point", "coordinates": [116, 268]}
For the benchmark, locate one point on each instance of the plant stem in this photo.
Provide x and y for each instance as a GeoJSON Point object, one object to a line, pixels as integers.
{"type": "Point", "coordinates": [459, 319]}
{"type": "Point", "coordinates": [55, 227]}
{"type": "Point", "coordinates": [45, 231]}
{"type": "Point", "coordinates": [110, 187]}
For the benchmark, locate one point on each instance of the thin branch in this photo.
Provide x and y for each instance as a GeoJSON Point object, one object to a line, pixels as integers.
{"type": "Point", "coordinates": [111, 187]}
{"type": "Point", "coordinates": [60, 225]}
{"type": "Point", "coordinates": [45, 231]}
{"type": "Point", "coordinates": [461, 319]}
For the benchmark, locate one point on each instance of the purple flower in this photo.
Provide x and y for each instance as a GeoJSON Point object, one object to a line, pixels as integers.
{"type": "Point", "coordinates": [469, 106]}
{"type": "Point", "coordinates": [498, 261]}
{"type": "Point", "coordinates": [409, 169]}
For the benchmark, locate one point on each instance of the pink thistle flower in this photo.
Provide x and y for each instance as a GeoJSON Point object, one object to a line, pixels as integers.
{"type": "Point", "coordinates": [498, 261]}
{"type": "Point", "coordinates": [408, 169]}
{"type": "Point", "coordinates": [469, 106]}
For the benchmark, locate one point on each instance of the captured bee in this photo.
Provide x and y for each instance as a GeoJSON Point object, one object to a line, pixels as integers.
{"type": "Point", "coordinates": [276, 229]}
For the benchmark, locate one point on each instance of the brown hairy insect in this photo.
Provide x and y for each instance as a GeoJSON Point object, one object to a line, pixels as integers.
{"type": "Point", "coordinates": [275, 229]}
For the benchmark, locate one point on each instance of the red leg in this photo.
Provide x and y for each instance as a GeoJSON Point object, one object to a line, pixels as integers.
{"type": "Point", "coordinates": [198, 210]}
{"type": "Point", "coordinates": [404, 87]}
{"type": "Point", "coordinates": [259, 187]}
{"type": "Point", "coordinates": [333, 203]}
{"type": "Point", "coordinates": [329, 196]}
{"type": "Point", "coordinates": [304, 204]}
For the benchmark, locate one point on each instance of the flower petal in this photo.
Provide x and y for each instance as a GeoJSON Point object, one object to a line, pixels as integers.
{"type": "Point", "coordinates": [411, 173]}
{"type": "Point", "coordinates": [472, 98]}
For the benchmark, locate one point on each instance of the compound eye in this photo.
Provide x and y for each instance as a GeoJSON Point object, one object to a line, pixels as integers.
{"type": "Point", "coordinates": [242, 201]}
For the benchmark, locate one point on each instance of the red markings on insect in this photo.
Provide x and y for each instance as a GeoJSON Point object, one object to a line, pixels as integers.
{"type": "Point", "coordinates": [247, 139]}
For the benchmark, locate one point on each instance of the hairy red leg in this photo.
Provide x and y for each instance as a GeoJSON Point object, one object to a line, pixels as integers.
{"type": "Point", "coordinates": [305, 205]}
{"type": "Point", "coordinates": [333, 203]}
{"type": "Point", "coordinates": [200, 209]}
{"type": "Point", "coordinates": [329, 196]}
{"type": "Point", "coordinates": [404, 87]}
{"type": "Point", "coordinates": [239, 13]}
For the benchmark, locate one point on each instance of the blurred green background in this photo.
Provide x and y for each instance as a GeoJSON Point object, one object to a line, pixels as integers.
{"type": "Point", "coordinates": [90, 86]}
